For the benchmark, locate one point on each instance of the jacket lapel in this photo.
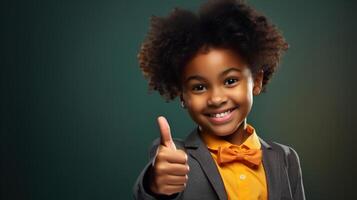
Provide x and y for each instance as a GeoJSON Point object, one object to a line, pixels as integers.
{"type": "Point", "coordinates": [195, 147]}
{"type": "Point", "coordinates": [272, 170]}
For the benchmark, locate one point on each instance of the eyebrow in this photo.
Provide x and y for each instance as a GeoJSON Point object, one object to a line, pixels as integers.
{"type": "Point", "coordinates": [222, 74]}
{"type": "Point", "coordinates": [229, 70]}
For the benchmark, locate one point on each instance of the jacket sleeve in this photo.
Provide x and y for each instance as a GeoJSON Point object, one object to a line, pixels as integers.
{"type": "Point", "coordinates": [140, 189]}
{"type": "Point", "coordinates": [295, 175]}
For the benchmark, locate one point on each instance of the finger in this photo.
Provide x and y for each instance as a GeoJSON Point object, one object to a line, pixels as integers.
{"type": "Point", "coordinates": [180, 157]}
{"type": "Point", "coordinates": [174, 180]}
{"type": "Point", "coordinates": [165, 133]}
{"type": "Point", "coordinates": [173, 169]}
{"type": "Point", "coordinates": [171, 189]}
{"type": "Point", "coordinates": [167, 154]}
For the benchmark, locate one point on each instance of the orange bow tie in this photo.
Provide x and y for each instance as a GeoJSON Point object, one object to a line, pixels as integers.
{"type": "Point", "coordinates": [250, 157]}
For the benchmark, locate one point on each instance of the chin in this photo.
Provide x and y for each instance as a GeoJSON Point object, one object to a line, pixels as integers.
{"type": "Point", "coordinates": [226, 132]}
{"type": "Point", "coordinates": [223, 130]}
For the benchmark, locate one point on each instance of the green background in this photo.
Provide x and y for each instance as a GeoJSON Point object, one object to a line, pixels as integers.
{"type": "Point", "coordinates": [77, 118]}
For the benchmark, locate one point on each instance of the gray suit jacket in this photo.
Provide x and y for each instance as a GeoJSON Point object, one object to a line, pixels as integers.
{"type": "Point", "coordinates": [281, 164]}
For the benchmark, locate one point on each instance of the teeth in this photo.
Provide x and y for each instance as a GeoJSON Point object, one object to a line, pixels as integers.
{"type": "Point", "coordinates": [220, 115]}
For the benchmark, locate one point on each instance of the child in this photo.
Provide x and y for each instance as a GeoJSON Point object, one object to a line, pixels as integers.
{"type": "Point", "coordinates": [215, 61]}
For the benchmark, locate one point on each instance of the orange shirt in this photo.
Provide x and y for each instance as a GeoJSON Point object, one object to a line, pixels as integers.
{"type": "Point", "coordinates": [240, 181]}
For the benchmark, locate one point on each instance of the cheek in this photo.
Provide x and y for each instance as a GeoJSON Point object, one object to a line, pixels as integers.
{"type": "Point", "coordinates": [243, 96]}
{"type": "Point", "coordinates": [194, 105]}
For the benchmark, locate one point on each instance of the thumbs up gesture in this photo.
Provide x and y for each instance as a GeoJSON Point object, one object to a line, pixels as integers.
{"type": "Point", "coordinates": [170, 167]}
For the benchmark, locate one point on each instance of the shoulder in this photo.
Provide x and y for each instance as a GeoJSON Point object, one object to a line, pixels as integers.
{"type": "Point", "coordinates": [290, 155]}
{"type": "Point", "coordinates": [287, 150]}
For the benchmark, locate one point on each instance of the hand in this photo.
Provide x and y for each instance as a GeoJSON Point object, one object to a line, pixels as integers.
{"type": "Point", "coordinates": [170, 167]}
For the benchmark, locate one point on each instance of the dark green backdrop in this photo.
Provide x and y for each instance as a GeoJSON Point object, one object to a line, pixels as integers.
{"type": "Point", "coordinates": [77, 120]}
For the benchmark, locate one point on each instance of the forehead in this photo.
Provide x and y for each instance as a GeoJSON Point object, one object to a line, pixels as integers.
{"type": "Point", "coordinates": [212, 62]}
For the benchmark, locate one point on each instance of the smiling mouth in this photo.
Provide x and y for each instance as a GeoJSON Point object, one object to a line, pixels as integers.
{"type": "Point", "coordinates": [221, 114]}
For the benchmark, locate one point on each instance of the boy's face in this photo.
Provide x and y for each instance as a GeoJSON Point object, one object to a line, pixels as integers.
{"type": "Point", "coordinates": [218, 90]}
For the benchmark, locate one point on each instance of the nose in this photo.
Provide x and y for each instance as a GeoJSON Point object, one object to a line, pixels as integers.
{"type": "Point", "coordinates": [217, 98]}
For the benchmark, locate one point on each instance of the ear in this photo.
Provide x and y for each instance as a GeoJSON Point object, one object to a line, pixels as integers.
{"type": "Point", "coordinates": [181, 96]}
{"type": "Point", "coordinates": [258, 82]}
{"type": "Point", "coordinates": [183, 105]}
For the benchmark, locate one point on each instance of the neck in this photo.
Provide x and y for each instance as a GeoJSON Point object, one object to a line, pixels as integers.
{"type": "Point", "coordinates": [239, 136]}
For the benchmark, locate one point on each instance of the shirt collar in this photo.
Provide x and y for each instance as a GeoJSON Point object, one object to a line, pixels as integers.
{"type": "Point", "coordinates": [252, 142]}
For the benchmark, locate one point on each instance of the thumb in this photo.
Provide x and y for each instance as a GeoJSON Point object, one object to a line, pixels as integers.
{"type": "Point", "coordinates": [165, 133]}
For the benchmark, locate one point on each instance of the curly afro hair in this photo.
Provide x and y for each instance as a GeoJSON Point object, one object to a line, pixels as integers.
{"type": "Point", "coordinates": [173, 40]}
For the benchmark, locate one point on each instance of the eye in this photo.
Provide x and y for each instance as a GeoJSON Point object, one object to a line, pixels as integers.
{"type": "Point", "coordinates": [198, 88]}
{"type": "Point", "coordinates": [230, 81]}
